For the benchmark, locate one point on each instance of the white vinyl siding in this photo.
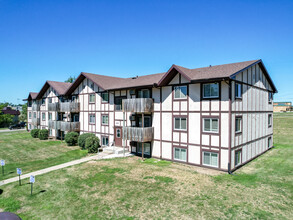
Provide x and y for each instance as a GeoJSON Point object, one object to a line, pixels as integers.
{"type": "Point", "coordinates": [210, 159]}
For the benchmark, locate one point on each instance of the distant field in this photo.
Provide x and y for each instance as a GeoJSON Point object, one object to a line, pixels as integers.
{"type": "Point", "coordinates": [126, 188]}
{"type": "Point", "coordinates": [20, 150]}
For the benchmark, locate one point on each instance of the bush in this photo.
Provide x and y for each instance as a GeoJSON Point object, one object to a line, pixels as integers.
{"type": "Point", "coordinates": [82, 138]}
{"type": "Point", "coordinates": [71, 138]}
{"type": "Point", "coordinates": [92, 144]}
{"type": "Point", "coordinates": [43, 134]}
{"type": "Point", "coordinates": [35, 133]}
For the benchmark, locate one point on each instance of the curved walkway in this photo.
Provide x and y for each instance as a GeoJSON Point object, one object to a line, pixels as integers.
{"type": "Point", "coordinates": [99, 156]}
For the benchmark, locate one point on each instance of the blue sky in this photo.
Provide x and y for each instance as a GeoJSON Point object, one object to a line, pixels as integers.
{"type": "Point", "coordinates": [52, 40]}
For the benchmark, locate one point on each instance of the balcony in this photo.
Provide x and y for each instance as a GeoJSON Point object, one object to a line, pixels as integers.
{"type": "Point", "coordinates": [64, 125]}
{"type": "Point", "coordinates": [69, 106]}
{"type": "Point", "coordinates": [138, 105]}
{"type": "Point", "coordinates": [138, 134]}
{"type": "Point", "coordinates": [35, 107]}
{"type": "Point", "coordinates": [54, 107]}
{"type": "Point", "coordinates": [64, 107]}
{"type": "Point", "coordinates": [35, 121]}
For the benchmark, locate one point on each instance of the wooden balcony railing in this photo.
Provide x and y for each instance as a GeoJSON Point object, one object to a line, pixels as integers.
{"type": "Point", "coordinates": [64, 107]}
{"type": "Point", "coordinates": [64, 125]}
{"type": "Point", "coordinates": [138, 105]}
{"type": "Point", "coordinates": [138, 134]}
{"type": "Point", "coordinates": [35, 107]}
{"type": "Point", "coordinates": [35, 121]}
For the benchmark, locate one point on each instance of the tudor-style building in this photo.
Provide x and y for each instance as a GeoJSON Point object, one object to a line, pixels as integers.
{"type": "Point", "coordinates": [218, 116]}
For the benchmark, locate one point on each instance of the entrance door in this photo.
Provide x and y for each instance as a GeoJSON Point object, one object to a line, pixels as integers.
{"type": "Point", "coordinates": [118, 136]}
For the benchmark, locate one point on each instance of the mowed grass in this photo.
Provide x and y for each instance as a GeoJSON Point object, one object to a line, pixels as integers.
{"type": "Point", "coordinates": [20, 150]}
{"type": "Point", "coordinates": [127, 188]}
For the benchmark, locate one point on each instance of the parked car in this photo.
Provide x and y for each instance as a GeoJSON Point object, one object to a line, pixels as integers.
{"type": "Point", "coordinates": [17, 126]}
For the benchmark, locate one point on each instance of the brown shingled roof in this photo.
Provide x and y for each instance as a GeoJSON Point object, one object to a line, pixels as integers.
{"type": "Point", "coordinates": [60, 87]}
{"type": "Point", "coordinates": [224, 71]}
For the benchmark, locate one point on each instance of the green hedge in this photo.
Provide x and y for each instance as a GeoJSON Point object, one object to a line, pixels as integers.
{"type": "Point", "coordinates": [35, 133]}
{"type": "Point", "coordinates": [92, 144]}
{"type": "Point", "coordinates": [71, 138]}
{"type": "Point", "coordinates": [82, 138]}
{"type": "Point", "coordinates": [43, 134]}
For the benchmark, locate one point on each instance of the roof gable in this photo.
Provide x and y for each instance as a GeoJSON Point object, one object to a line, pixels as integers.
{"type": "Point", "coordinates": [59, 87]}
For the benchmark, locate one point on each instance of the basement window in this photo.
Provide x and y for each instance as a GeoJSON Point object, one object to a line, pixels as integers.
{"type": "Point", "coordinates": [105, 141]}
{"type": "Point", "coordinates": [210, 159]}
{"type": "Point", "coordinates": [180, 154]}
{"type": "Point", "coordinates": [238, 158]}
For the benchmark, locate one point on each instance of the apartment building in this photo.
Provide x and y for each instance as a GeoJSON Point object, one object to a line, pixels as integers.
{"type": "Point", "coordinates": [218, 116]}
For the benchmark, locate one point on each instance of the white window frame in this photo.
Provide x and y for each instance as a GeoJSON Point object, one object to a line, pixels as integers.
{"type": "Point", "coordinates": [50, 116]}
{"type": "Point", "coordinates": [104, 116]}
{"type": "Point", "coordinates": [210, 165]}
{"type": "Point", "coordinates": [43, 116]}
{"type": "Point", "coordinates": [30, 115]}
{"type": "Point", "coordinates": [240, 125]}
{"type": "Point", "coordinates": [180, 123]}
{"type": "Point", "coordinates": [208, 84]}
{"type": "Point", "coordinates": [235, 158]}
{"type": "Point", "coordinates": [180, 88]}
{"type": "Point", "coordinates": [181, 149]}
{"type": "Point", "coordinates": [92, 95]}
{"type": "Point", "coordinates": [90, 117]}
{"type": "Point", "coordinates": [211, 131]}
{"type": "Point", "coordinates": [238, 90]}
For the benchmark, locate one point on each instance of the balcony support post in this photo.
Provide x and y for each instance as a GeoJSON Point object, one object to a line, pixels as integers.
{"type": "Point", "coordinates": [123, 139]}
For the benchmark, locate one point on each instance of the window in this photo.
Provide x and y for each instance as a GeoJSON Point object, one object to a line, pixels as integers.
{"type": "Point", "coordinates": [43, 101]}
{"type": "Point", "coordinates": [238, 121]}
{"type": "Point", "coordinates": [92, 86]}
{"type": "Point", "coordinates": [238, 157]}
{"type": "Point", "coordinates": [74, 98]}
{"type": "Point", "coordinates": [118, 133]}
{"type": "Point", "coordinates": [105, 119]}
{"type": "Point", "coordinates": [118, 102]}
{"type": "Point", "coordinates": [92, 98]}
{"type": "Point", "coordinates": [211, 90]}
{"type": "Point", "coordinates": [180, 154]}
{"type": "Point", "coordinates": [30, 115]}
{"type": "Point", "coordinates": [92, 119]}
{"type": "Point", "coordinates": [144, 93]}
{"type": "Point", "coordinates": [211, 125]}
{"type": "Point", "coordinates": [50, 100]}
{"type": "Point", "coordinates": [105, 97]}
{"type": "Point", "coordinates": [147, 121]}
{"type": "Point", "coordinates": [238, 90]}
{"type": "Point", "coordinates": [105, 141]}
{"type": "Point", "coordinates": [50, 132]}
{"type": "Point", "coordinates": [43, 116]}
{"type": "Point", "coordinates": [180, 92]}
{"type": "Point", "coordinates": [270, 97]}
{"type": "Point", "coordinates": [210, 159]}
{"type": "Point", "coordinates": [269, 142]}
{"type": "Point", "coordinates": [180, 123]}
{"type": "Point", "coordinates": [75, 117]}
{"type": "Point", "coordinates": [270, 120]}
{"type": "Point", "coordinates": [29, 126]}
{"type": "Point", "coordinates": [50, 116]}
{"type": "Point", "coordinates": [146, 148]}
{"type": "Point", "coordinates": [35, 115]}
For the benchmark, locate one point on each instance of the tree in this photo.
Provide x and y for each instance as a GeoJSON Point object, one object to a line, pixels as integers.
{"type": "Point", "coordinates": [70, 79]}
{"type": "Point", "coordinates": [23, 114]}
{"type": "Point", "coordinates": [5, 119]}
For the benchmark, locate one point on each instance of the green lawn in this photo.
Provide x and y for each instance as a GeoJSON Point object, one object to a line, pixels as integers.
{"type": "Point", "coordinates": [3, 129]}
{"type": "Point", "coordinates": [20, 150]}
{"type": "Point", "coordinates": [126, 188]}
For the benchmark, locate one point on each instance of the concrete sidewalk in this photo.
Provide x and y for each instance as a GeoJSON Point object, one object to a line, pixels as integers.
{"type": "Point", "coordinates": [99, 156]}
{"type": "Point", "coordinates": [8, 130]}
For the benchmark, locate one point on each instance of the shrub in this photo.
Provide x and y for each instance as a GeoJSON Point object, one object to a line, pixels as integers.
{"type": "Point", "coordinates": [92, 144]}
{"type": "Point", "coordinates": [71, 138]}
{"type": "Point", "coordinates": [82, 138]}
{"type": "Point", "coordinates": [43, 134]}
{"type": "Point", "coordinates": [35, 133]}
